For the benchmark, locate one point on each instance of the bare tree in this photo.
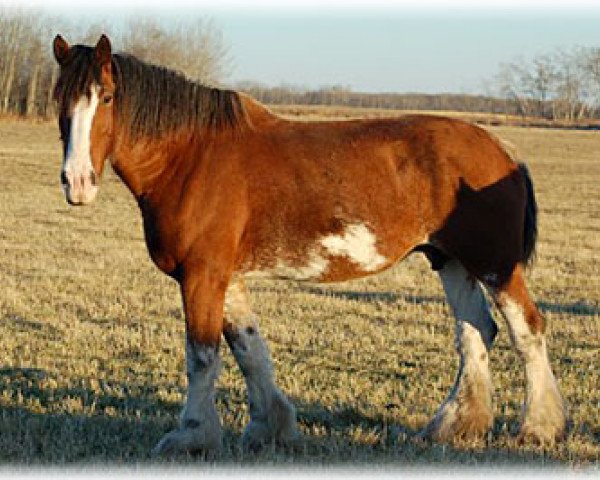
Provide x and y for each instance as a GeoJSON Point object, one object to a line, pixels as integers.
{"type": "Point", "coordinates": [513, 80]}
{"type": "Point", "coordinates": [28, 71]}
{"type": "Point", "coordinates": [11, 38]}
{"type": "Point", "coordinates": [562, 85]}
{"type": "Point", "coordinates": [33, 67]}
{"type": "Point", "coordinates": [52, 77]}
{"type": "Point", "coordinates": [591, 66]}
{"type": "Point", "coordinates": [195, 48]}
{"type": "Point", "coordinates": [570, 89]}
{"type": "Point", "coordinates": [541, 81]}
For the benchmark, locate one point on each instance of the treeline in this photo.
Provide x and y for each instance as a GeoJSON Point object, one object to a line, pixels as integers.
{"type": "Point", "coordinates": [344, 96]}
{"type": "Point", "coordinates": [28, 70]}
{"type": "Point", "coordinates": [560, 85]}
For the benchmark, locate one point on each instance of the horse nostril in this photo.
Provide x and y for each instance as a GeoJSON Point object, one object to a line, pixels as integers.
{"type": "Point", "coordinates": [93, 178]}
{"type": "Point", "coordinates": [63, 178]}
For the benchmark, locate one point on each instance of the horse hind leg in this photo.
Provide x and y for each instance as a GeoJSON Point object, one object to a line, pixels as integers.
{"type": "Point", "coordinates": [272, 416]}
{"type": "Point", "coordinates": [544, 414]}
{"type": "Point", "coordinates": [467, 411]}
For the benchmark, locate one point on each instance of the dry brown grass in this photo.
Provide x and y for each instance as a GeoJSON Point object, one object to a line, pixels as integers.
{"type": "Point", "coordinates": [91, 334]}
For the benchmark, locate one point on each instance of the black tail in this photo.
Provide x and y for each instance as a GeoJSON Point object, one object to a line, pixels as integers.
{"type": "Point", "coordinates": [531, 231]}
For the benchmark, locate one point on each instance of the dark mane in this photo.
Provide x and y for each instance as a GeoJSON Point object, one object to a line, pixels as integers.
{"type": "Point", "coordinates": [149, 99]}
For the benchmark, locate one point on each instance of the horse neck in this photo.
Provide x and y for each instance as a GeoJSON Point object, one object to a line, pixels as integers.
{"type": "Point", "coordinates": [142, 162]}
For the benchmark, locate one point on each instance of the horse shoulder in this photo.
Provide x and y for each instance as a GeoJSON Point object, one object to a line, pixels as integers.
{"type": "Point", "coordinates": [198, 210]}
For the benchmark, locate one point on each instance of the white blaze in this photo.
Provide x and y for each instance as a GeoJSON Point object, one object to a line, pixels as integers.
{"type": "Point", "coordinates": [78, 160]}
{"type": "Point", "coordinates": [77, 167]}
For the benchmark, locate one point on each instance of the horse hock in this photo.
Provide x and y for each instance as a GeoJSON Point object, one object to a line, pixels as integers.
{"type": "Point", "coordinates": [467, 412]}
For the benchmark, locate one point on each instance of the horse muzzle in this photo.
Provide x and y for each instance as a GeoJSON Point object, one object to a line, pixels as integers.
{"type": "Point", "coordinates": [80, 189]}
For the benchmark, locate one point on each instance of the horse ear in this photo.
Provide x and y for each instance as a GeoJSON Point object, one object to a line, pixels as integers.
{"type": "Point", "coordinates": [103, 51]}
{"type": "Point", "coordinates": [61, 49]}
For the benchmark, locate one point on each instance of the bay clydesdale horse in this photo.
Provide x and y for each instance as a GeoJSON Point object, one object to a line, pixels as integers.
{"type": "Point", "coordinates": [229, 190]}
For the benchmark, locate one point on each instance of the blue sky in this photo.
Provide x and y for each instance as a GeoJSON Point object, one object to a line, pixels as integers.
{"type": "Point", "coordinates": [437, 46]}
{"type": "Point", "coordinates": [397, 51]}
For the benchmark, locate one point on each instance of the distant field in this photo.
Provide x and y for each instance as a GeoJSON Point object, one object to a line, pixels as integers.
{"type": "Point", "coordinates": [92, 335]}
{"type": "Point", "coordinates": [322, 112]}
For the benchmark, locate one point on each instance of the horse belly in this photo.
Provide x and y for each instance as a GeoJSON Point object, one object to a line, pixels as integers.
{"type": "Point", "coordinates": [353, 252]}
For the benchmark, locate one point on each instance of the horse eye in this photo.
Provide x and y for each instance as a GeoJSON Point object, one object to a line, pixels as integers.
{"type": "Point", "coordinates": [107, 99]}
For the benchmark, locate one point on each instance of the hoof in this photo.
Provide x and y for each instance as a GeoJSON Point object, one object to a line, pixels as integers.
{"type": "Point", "coordinates": [455, 423]}
{"type": "Point", "coordinates": [258, 434]}
{"type": "Point", "coordinates": [278, 426]}
{"type": "Point", "coordinates": [188, 440]}
{"type": "Point", "coordinates": [542, 435]}
{"type": "Point", "coordinates": [545, 422]}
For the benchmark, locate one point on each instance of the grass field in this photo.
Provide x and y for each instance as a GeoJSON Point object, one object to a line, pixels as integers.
{"type": "Point", "coordinates": [92, 335]}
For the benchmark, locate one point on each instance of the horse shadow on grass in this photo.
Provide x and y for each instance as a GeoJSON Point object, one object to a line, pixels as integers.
{"type": "Point", "coordinates": [579, 308]}
{"type": "Point", "coordinates": [373, 296]}
{"type": "Point", "coordinates": [123, 430]}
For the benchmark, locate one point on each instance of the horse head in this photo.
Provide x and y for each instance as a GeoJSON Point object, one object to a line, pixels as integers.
{"type": "Point", "coordinates": [84, 91]}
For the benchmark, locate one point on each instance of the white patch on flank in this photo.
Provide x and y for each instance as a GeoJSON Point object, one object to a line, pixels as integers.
{"type": "Point", "coordinates": [312, 270]}
{"type": "Point", "coordinates": [78, 160]}
{"type": "Point", "coordinates": [357, 243]}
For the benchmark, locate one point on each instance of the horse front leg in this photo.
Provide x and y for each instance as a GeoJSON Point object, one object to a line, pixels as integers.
{"type": "Point", "coordinates": [203, 291]}
{"type": "Point", "coordinates": [272, 416]}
